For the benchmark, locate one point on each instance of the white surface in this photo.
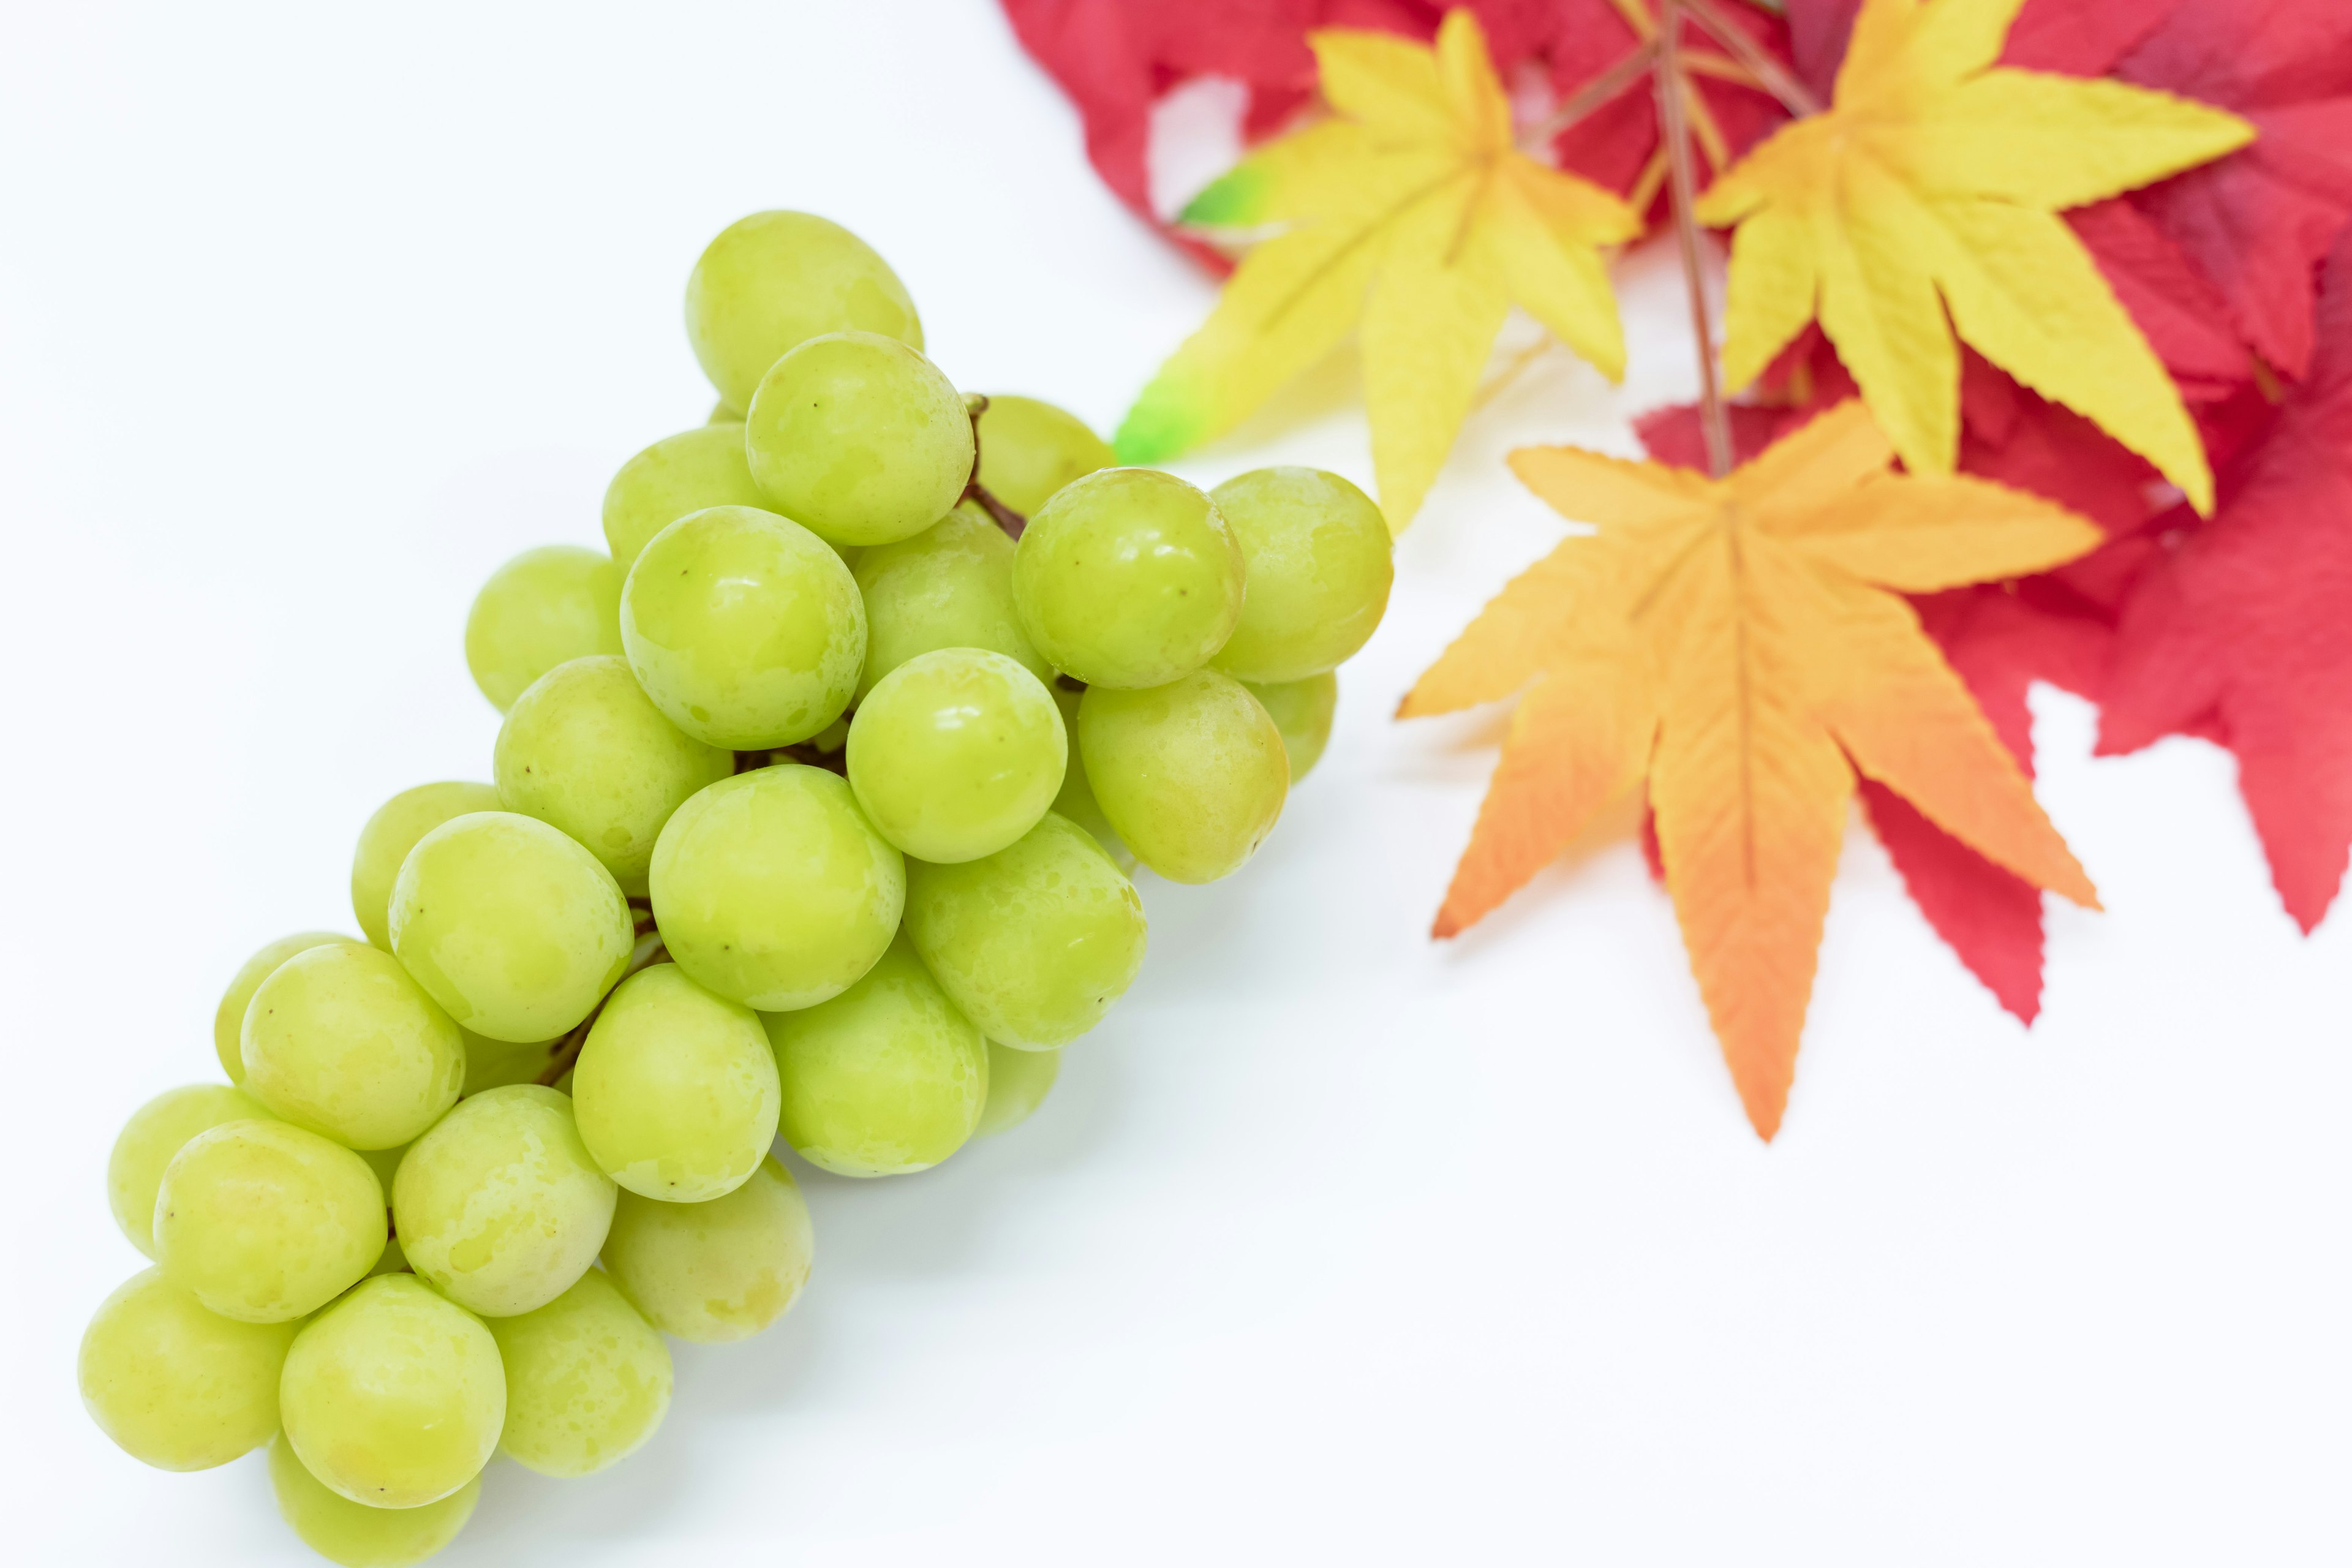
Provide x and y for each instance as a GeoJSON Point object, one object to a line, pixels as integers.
{"type": "Point", "coordinates": [1334, 1246]}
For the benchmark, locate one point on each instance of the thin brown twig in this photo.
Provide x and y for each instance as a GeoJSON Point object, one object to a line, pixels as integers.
{"type": "Point", "coordinates": [1622, 73]}
{"type": "Point", "coordinates": [1770, 74]}
{"type": "Point", "coordinates": [1004, 517]}
{"type": "Point", "coordinates": [1713, 419]}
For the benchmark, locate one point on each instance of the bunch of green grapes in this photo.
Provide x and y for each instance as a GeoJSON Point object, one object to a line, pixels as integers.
{"type": "Point", "coordinates": [812, 814]}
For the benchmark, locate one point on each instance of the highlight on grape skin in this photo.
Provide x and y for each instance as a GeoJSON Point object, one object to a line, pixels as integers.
{"type": "Point", "coordinates": [813, 813]}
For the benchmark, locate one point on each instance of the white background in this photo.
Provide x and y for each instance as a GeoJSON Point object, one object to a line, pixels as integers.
{"type": "Point", "coordinates": [1333, 1245]}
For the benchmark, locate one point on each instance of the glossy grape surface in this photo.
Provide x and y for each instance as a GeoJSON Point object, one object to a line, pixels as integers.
{"type": "Point", "coordinates": [264, 1222]}
{"type": "Point", "coordinates": [588, 1379]}
{"type": "Point", "coordinates": [1029, 449]}
{"type": "Point", "coordinates": [356, 1535]}
{"type": "Point", "coordinates": [887, 1077]}
{"type": "Point", "coordinates": [339, 1039]}
{"type": "Point", "coordinates": [1191, 775]}
{"type": "Point", "coordinates": [513, 927]}
{"type": "Point", "coordinates": [176, 1385]}
{"type": "Point", "coordinates": [393, 1397]}
{"type": "Point", "coordinates": [949, 587]}
{"type": "Point", "coordinates": [710, 1273]}
{"type": "Point", "coordinates": [501, 1206]}
{"type": "Point", "coordinates": [544, 607]}
{"type": "Point", "coordinates": [676, 1088]}
{"type": "Point", "coordinates": [584, 750]}
{"type": "Point", "coordinates": [1034, 942]}
{"type": "Point", "coordinates": [704, 467]}
{"type": "Point", "coordinates": [774, 278]}
{"type": "Point", "coordinates": [1128, 578]}
{"type": "Point", "coordinates": [744, 628]}
{"type": "Point", "coordinates": [1302, 710]}
{"type": "Point", "coordinates": [157, 1130]}
{"type": "Point", "coordinates": [957, 753]}
{"type": "Point", "coordinates": [860, 439]}
{"type": "Point", "coordinates": [772, 890]}
{"type": "Point", "coordinates": [388, 837]}
{"type": "Point", "coordinates": [1319, 571]}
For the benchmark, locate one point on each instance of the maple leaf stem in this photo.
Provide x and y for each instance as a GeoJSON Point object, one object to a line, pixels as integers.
{"type": "Point", "coordinates": [1673, 123]}
{"type": "Point", "coordinates": [1010, 521]}
{"type": "Point", "coordinates": [1769, 73]}
{"type": "Point", "coordinates": [1623, 74]}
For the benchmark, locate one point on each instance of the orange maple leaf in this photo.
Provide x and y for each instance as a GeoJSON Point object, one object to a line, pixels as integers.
{"type": "Point", "coordinates": [1734, 643]}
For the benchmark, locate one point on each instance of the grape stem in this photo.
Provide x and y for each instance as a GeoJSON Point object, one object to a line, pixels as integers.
{"type": "Point", "coordinates": [561, 1055]}
{"type": "Point", "coordinates": [1010, 521]}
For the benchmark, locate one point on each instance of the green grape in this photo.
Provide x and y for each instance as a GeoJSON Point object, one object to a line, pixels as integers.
{"type": "Point", "coordinates": [177, 1386]}
{"type": "Point", "coordinates": [359, 1536]}
{"type": "Point", "coordinates": [704, 467]}
{"type": "Point", "coordinates": [1018, 1082]}
{"type": "Point", "coordinates": [511, 926]}
{"type": "Point", "coordinates": [1302, 710]}
{"type": "Point", "coordinates": [772, 890]}
{"type": "Point", "coordinates": [1192, 774]}
{"type": "Point", "coordinates": [500, 1206]}
{"type": "Point", "coordinates": [1034, 943]}
{"type": "Point", "coordinates": [494, 1063]}
{"type": "Point", "coordinates": [860, 439]}
{"type": "Point", "coordinates": [266, 1222]}
{"type": "Point", "coordinates": [1318, 572]}
{"type": "Point", "coordinates": [956, 754]}
{"type": "Point", "coordinates": [339, 1039]}
{"type": "Point", "coordinates": [385, 842]}
{"type": "Point", "coordinates": [1029, 449]}
{"type": "Point", "coordinates": [228, 1018]}
{"type": "Point", "coordinates": [584, 752]}
{"type": "Point", "coordinates": [949, 587]}
{"type": "Point", "coordinates": [887, 1078]}
{"type": "Point", "coordinates": [1129, 578]}
{"type": "Point", "coordinates": [544, 607]}
{"type": "Point", "coordinates": [676, 1088]}
{"type": "Point", "coordinates": [1077, 799]}
{"type": "Point", "coordinates": [774, 278]}
{"type": "Point", "coordinates": [710, 1273]}
{"type": "Point", "coordinates": [156, 1132]}
{"type": "Point", "coordinates": [393, 1397]}
{"type": "Point", "coordinates": [588, 1379]}
{"type": "Point", "coordinates": [744, 628]}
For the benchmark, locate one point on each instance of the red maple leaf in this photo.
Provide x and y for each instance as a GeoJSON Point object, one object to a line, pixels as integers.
{"type": "Point", "coordinates": [2258, 221]}
{"type": "Point", "coordinates": [2245, 629]}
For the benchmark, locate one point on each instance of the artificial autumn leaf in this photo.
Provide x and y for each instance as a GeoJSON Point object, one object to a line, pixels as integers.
{"type": "Point", "coordinates": [1116, 58]}
{"type": "Point", "coordinates": [1732, 644]}
{"type": "Point", "coordinates": [1998, 638]}
{"type": "Point", "coordinates": [2259, 221]}
{"type": "Point", "coordinates": [2076, 37]}
{"type": "Point", "coordinates": [2246, 630]}
{"type": "Point", "coordinates": [1932, 183]}
{"type": "Point", "coordinates": [1414, 211]}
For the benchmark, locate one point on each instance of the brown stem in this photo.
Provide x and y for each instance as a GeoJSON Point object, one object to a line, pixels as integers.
{"type": "Point", "coordinates": [1713, 419]}
{"type": "Point", "coordinates": [1010, 521]}
{"type": "Point", "coordinates": [1624, 73]}
{"type": "Point", "coordinates": [561, 1055]}
{"type": "Point", "coordinates": [1770, 74]}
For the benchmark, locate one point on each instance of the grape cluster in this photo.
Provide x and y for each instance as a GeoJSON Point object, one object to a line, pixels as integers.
{"type": "Point", "coordinates": [812, 813]}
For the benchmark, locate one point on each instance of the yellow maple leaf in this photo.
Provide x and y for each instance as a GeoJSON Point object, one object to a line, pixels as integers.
{"type": "Point", "coordinates": [1932, 184]}
{"type": "Point", "coordinates": [1413, 211]}
{"type": "Point", "coordinates": [1740, 644]}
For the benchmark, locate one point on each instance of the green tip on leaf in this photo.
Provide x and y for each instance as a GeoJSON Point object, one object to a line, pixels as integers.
{"type": "Point", "coordinates": [1231, 200]}
{"type": "Point", "coordinates": [1158, 426]}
